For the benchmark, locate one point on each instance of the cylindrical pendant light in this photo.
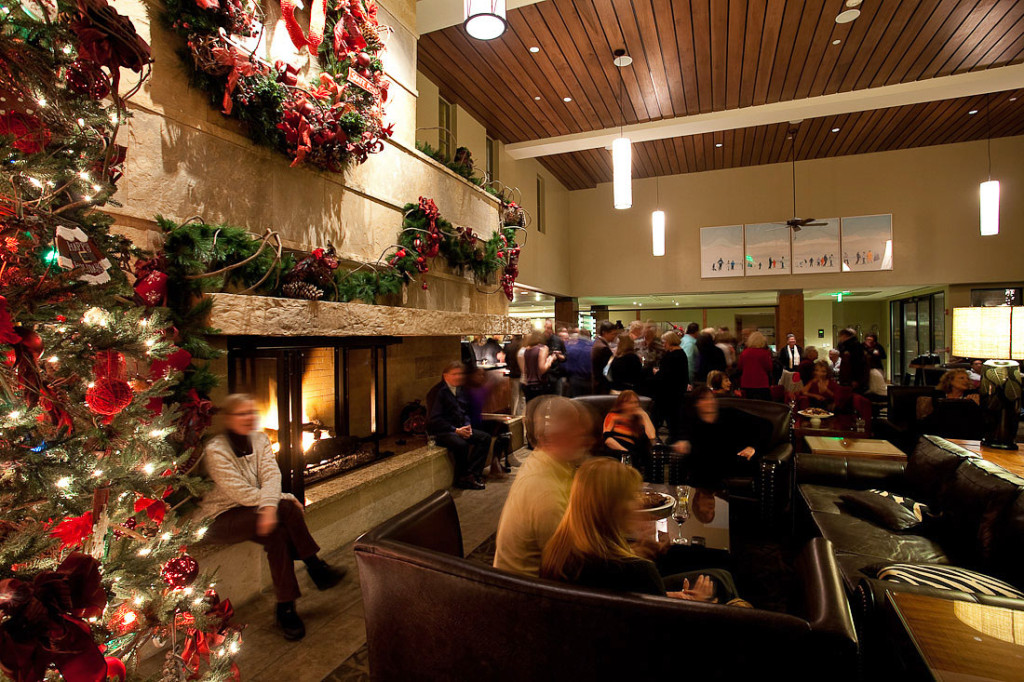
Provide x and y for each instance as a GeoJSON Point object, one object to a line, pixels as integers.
{"type": "Point", "coordinates": [622, 172]}
{"type": "Point", "coordinates": [989, 194]}
{"type": "Point", "coordinates": [989, 208]}
{"type": "Point", "coordinates": [658, 233]}
{"type": "Point", "coordinates": [622, 148]}
{"type": "Point", "coordinates": [485, 19]}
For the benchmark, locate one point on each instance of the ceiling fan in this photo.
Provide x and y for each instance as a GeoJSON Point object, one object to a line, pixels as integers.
{"type": "Point", "coordinates": [794, 223]}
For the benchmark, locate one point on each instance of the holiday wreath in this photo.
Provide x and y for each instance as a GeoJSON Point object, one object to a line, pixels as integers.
{"type": "Point", "coordinates": [329, 114]}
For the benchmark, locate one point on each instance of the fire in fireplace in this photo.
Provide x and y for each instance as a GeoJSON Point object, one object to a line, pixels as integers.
{"type": "Point", "coordinates": [322, 401]}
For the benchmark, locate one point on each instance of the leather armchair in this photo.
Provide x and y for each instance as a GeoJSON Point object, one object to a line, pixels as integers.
{"type": "Point", "coordinates": [772, 487]}
{"type": "Point", "coordinates": [432, 615]}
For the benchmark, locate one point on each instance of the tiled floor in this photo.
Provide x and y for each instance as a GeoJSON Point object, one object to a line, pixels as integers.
{"type": "Point", "coordinates": [335, 632]}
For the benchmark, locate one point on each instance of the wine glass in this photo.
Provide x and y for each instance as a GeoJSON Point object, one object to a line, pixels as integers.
{"type": "Point", "coordinates": [680, 513]}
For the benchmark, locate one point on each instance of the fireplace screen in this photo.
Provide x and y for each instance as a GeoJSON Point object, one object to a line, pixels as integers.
{"type": "Point", "coordinates": [322, 402]}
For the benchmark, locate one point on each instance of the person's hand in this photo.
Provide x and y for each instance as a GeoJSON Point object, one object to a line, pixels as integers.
{"type": "Point", "coordinates": [703, 590]}
{"type": "Point", "coordinates": [266, 521]}
{"type": "Point", "coordinates": [681, 447]}
{"type": "Point", "coordinates": [465, 431]}
{"type": "Point", "coordinates": [746, 453]}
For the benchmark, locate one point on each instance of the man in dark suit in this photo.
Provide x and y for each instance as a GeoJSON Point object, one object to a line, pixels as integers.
{"type": "Point", "coordinates": [600, 354]}
{"type": "Point", "coordinates": [790, 354]}
{"type": "Point", "coordinates": [448, 422]}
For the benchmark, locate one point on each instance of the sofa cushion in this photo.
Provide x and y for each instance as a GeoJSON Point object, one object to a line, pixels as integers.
{"type": "Point", "coordinates": [853, 535]}
{"type": "Point", "coordinates": [931, 465]}
{"type": "Point", "coordinates": [884, 509]}
{"type": "Point", "coordinates": [972, 502]}
{"type": "Point", "coordinates": [948, 578]}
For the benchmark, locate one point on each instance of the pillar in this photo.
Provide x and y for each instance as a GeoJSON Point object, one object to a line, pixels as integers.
{"type": "Point", "coordinates": [567, 312]}
{"type": "Point", "coordinates": [789, 316]}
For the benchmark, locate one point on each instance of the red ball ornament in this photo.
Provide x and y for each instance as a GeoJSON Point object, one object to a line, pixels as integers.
{"type": "Point", "coordinates": [87, 78]}
{"type": "Point", "coordinates": [180, 571]}
{"type": "Point", "coordinates": [108, 396]}
{"type": "Point", "coordinates": [124, 620]}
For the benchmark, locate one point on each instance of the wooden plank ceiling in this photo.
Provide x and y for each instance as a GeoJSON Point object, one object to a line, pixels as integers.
{"type": "Point", "coordinates": [698, 56]}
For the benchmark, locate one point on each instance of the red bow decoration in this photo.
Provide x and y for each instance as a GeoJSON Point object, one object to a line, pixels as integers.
{"type": "Point", "coordinates": [155, 509]}
{"type": "Point", "coordinates": [196, 417]}
{"type": "Point", "coordinates": [286, 73]}
{"type": "Point", "coordinates": [317, 21]}
{"type": "Point", "coordinates": [199, 642]}
{"type": "Point", "coordinates": [44, 625]}
{"type": "Point", "coordinates": [240, 65]}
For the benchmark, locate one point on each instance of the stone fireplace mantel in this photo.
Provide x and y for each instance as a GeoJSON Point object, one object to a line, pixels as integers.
{"type": "Point", "coordinates": [240, 315]}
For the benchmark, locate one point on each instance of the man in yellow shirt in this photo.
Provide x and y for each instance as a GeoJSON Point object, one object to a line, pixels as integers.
{"type": "Point", "coordinates": [561, 432]}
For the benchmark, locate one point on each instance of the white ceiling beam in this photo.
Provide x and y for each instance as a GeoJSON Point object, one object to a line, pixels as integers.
{"type": "Point", "coordinates": [433, 15]}
{"type": "Point", "coordinates": [930, 90]}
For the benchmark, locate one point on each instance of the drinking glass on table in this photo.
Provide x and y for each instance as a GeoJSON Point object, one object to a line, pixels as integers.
{"type": "Point", "coordinates": [681, 512]}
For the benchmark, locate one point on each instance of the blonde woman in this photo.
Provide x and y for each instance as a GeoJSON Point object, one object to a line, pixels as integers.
{"type": "Point", "coordinates": [953, 385]}
{"type": "Point", "coordinates": [590, 545]}
{"type": "Point", "coordinates": [246, 505]}
{"type": "Point", "coordinates": [755, 365]}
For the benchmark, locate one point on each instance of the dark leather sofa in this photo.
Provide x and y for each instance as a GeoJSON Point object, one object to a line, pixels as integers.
{"type": "Point", "coordinates": [432, 615]}
{"type": "Point", "coordinates": [980, 524]}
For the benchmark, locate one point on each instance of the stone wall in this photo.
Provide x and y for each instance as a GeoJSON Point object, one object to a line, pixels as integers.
{"type": "Point", "coordinates": [186, 159]}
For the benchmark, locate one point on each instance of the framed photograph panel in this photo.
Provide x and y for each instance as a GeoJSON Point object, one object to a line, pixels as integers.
{"type": "Point", "coordinates": [816, 248]}
{"type": "Point", "coordinates": [721, 251]}
{"type": "Point", "coordinates": [867, 243]}
{"type": "Point", "coordinates": [767, 249]}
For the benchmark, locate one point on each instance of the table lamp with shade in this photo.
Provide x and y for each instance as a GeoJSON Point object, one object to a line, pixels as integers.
{"type": "Point", "coordinates": [996, 333]}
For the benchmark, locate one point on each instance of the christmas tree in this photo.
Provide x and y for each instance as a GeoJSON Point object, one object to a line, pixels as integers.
{"type": "Point", "coordinates": [99, 413]}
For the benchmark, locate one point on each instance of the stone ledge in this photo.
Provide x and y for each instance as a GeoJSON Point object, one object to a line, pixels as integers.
{"type": "Point", "coordinates": [238, 315]}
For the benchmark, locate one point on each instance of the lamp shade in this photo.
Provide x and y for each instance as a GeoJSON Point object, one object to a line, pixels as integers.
{"type": "Point", "coordinates": [658, 233]}
{"type": "Point", "coordinates": [995, 332]}
{"type": "Point", "coordinates": [485, 19]}
{"type": "Point", "coordinates": [989, 208]}
{"type": "Point", "coordinates": [622, 172]}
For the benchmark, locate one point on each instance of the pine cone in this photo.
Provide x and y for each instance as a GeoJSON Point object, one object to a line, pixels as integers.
{"type": "Point", "coordinates": [304, 290]}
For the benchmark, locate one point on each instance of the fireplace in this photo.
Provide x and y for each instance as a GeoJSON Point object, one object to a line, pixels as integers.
{"type": "Point", "coordinates": [322, 401]}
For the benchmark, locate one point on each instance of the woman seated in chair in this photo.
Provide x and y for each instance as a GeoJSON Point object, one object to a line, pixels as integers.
{"type": "Point", "coordinates": [628, 430]}
{"type": "Point", "coordinates": [590, 547]}
{"type": "Point", "coordinates": [820, 391]}
{"type": "Point", "coordinates": [246, 504]}
{"type": "Point", "coordinates": [953, 385]}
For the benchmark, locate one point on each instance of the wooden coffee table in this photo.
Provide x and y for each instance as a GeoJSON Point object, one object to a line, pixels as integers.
{"type": "Point", "coordinates": [1008, 459]}
{"type": "Point", "coordinates": [869, 448]}
{"type": "Point", "coordinates": [960, 640]}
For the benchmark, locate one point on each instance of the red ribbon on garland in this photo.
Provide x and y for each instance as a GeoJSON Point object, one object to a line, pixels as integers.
{"type": "Point", "coordinates": [317, 21]}
{"type": "Point", "coordinates": [44, 625]}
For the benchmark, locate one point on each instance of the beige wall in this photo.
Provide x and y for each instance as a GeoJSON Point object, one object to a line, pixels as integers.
{"type": "Point", "coordinates": [932, 193]}
{"type": "Point", "coordinates": [544, 261]}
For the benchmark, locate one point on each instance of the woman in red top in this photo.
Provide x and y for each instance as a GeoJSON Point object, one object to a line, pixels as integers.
{"type": "Point", "coordinates": [755, 364]}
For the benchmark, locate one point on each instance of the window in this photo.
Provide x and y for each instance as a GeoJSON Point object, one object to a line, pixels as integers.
{"type": "Point", "coordinates": [541, 204]}
{"type": "Point", "coordinates": [490, 160]}
{"type": "Point", "coordinates": [446, 123]}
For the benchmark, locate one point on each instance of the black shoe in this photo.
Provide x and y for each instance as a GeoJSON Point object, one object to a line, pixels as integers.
{"type": "Point", "coordinates": [324, 576]}
{"type": "Point", "coordinates": [289, 621]}
{"type": "Point", "coordinates": [469, 483]}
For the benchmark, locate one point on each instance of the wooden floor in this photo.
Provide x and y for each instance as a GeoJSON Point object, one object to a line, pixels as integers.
{"type": "Point", "coordinates": [334, 619]}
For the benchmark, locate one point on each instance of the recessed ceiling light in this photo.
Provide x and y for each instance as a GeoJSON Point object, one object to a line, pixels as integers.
{"type": "Point", "coordinates": [567, 99]}
{"type": "Point", "coordinates": [837, 41]}
{"type": "Point", "coordinates": [846, 16]}
{"type": "Point", "coordinates": [853, 3]}
{"type": "Point", "coordinates": [535, 49]}
{"type": "Point", "coordinates": [537, 98]}
{"type": "Point", "coordinates": [835, 130]}
{"type": "Point", "coordinates": [718, 144]}
{"type": "Point", "coordinates": [972, 112]}
{"type": "Point", "coordinates": [1013, 99]}
{"type": "Point", "coordinates": [621, 58]}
